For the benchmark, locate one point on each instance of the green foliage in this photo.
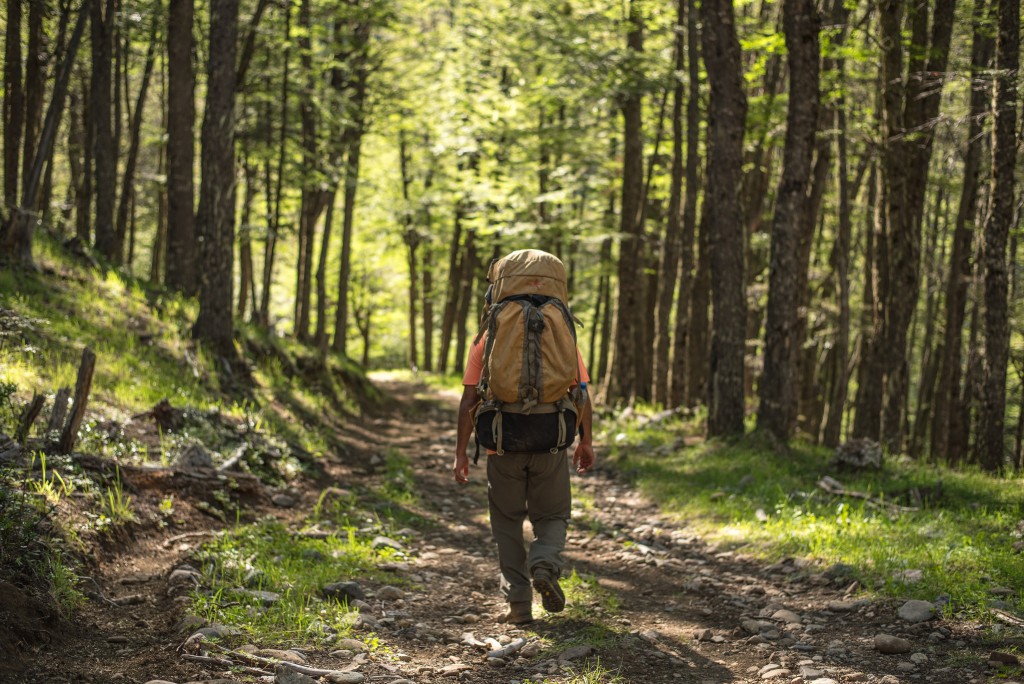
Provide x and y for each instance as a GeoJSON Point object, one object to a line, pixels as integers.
{"type": "Point", "coordinates": [746, 496]}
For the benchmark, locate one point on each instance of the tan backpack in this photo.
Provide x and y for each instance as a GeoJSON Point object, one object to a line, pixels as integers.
{"type": "Point", "coordinates": [529, 359]}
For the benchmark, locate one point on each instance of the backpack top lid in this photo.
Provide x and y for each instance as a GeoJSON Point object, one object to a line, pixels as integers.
{"type": "Point", "coordinates": [528, 272]}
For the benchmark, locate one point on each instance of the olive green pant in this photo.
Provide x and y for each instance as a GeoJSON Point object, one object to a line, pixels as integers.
{"type": "Point", "coordinates": [534, 486]}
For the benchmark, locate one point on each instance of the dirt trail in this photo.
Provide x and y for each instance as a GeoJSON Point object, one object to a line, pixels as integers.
{"type": "Point", "coordinates": [686, 612]}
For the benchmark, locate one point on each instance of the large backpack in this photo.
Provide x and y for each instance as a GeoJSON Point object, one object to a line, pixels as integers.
{"type": "Point", "coordinates": [529, 357]}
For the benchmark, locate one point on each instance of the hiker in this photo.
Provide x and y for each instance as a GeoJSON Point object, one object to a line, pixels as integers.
{"type": "Point", "coordinates": [524, 394]}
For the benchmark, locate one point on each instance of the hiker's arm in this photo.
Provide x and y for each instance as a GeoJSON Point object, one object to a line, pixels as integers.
{"type": "Point", "coordinates": [460, 468]}
{"type": "Point", "coordinates": [583, 458]}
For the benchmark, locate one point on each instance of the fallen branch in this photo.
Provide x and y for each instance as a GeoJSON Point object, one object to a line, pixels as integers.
{"type": "Point", "coordinates": [187, 535]}
{"type": "Point", "coordinates": [470, 639]}
{"type": "Point", "coordinates": [507, 650]}
{"type": "Point", "coordinates": [235, 458]}
{"type": "Point", "coordinates": [836, 488]}
{"type": "Point", "coordinates": [82, 387]}
{"type": "Point", "coordinates": [260, 660]}
{"type": "Point", "coordinates": [1007, 617]}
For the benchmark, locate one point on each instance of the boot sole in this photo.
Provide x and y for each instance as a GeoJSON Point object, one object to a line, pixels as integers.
{"type": "Point", "coordinates": [551, 596]}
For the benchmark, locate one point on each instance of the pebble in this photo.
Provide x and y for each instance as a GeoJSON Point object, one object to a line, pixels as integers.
{"type": "Point", "coordinates": [344, 591]}
{"type": "Point", "coordinates": [918, 658]}
{"type": "Point", "coordinates": [282, 500]}
{"type": "Point", "coordinates": [906, 667]}
{"type": "Point", "coordinates": [787, 616]}
{"type": "Point", "coordinates": [390, 593]}
{"type": "Point", "coordinates": [354, 645]}
{"type": "Point", "coordinates": [381, 542]}
{"type": "Point", "coordinates": [581, 651]}
{"type": "Point", "coordinates": [776, 674]}
{"type": "Point", "coordinates": [916, 611]}
{"type": "Point", "coordinates": [289, 656]}
{"type": "Point", "coordinates": [159, 681]}
{"type": "Point", "coordinates": [886, 643]}
{"type": "Point", "coordinates": [821, 680]}
{"type": "Point", "coordinates": [284, 675]}
{"type": "Point", "coordinates": [266, 598]}
{"type": "Point", "coordinates": [346, 678]}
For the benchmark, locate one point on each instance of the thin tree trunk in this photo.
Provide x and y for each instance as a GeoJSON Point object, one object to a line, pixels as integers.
{"type": "Point", "coordinates": [412, 240]}
{"type": "Point", "coordinates": [428, 306]}
{"type": "Point", "coordinates": [321, 336]}
{"type": "Point", "coordinates": [453, 292]}
{"type": "Point", "coordinates": [245, 265]}
{"type": "Point", "coordinates": [466, 287]}
{"type": "Point", "coordinates": [160, 237]}
{"type": "Point", "coordinates": [626, 372]}
{"type": "Point", "coordinates": [673, 233]}
{"type": "Point", "coordinates": [216, 224]}
{"type": "Point", "coordinates": [727, 113]}
{"type": "Point", "coordinates": [135, 134]}
{"type": "Point", "coordinates": [682, 347]}
{"type": "Point", "coordinates": [274, 214]}
{"type": "Point", "coordinates": [14, 103]}
{"type": "Point", "coordinates": [180, 272]}
{"type": "Point", "coordinates": [840, 257]}
{"type": "Point", "coordinates": [991, 444]}
{"type": "Point", "coordinates": [699, 361]}
{"type": "Point", "coordinates": [104, 154]}
{"type": "Point", "coordinates": [351, 184]}
{"type": "Point", "coordinates": [83, 201]}
{"type": "Point", "coordinates": [778, 390]}
{"type": "Point", "coordinates": [34, 85]}
{"type": "Point", "coordinates": [310, 185]}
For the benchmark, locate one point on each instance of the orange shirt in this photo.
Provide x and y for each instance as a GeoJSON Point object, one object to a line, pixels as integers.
{"type": "Point", "coordinates": [475, 364]}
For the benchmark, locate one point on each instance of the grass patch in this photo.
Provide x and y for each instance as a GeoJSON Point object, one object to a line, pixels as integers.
{"type": "Point", "coordinates": [744, 495]}
{"type": "Point", "coordinates": [268, 557]}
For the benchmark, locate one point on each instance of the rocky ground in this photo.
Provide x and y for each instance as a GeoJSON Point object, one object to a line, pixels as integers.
{"type": "Point", "coordinates": [678, 609]}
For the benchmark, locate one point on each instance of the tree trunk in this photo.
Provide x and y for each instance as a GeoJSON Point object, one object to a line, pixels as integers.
{"type": "Point", "coordinates": [990, 445]}
{"type": "Point", "coordinates": [83, 199]}
{"type": "Point", "coordinates": [699, 357]}
{"type": "Point", "coordinates": [467, 284]}
{"type": "Point", "coordinates": [412, 240]}
{"type": "Point", "coordinates": [683, 342]}
{"type": "Point", "coordinates": [157, 255]}
{"type": "Point", "coordinates": [34, 86]}
{"type": "Point", "coordinates": [215, 324]}
{"type": "Point", "coordinates": [910, 106]}
{"type": "Point", "coordinates": [673, 234]}
{"type": "Point", "coordinates": [274, 214]}
{"type": "Point", "coordinates": [321, 336]}
{"type": "Point", "coordinates": [840, 257]}
{"type": "Point", "coordinates": [246, 280]}
{"type": "Point", "coordinates": [727, 113]}
{"type": "Point", "coordinates": [14, 104]}
{"type": "Point", "coordinates": [428, 306]}
{"type": "Point", "coordinates": [778, 388]}
{"type": "Point", "coordinates": [103, 152]}
{"type": "Point", "coordinates": [947, 391]}
{"type": "Point", "coordinates": [308, 214]}
{"type": "Point", "coordinates": [128, 180]}
{"type": "Point", "coordinates": [351, 184]}
{"type": "Point", "coordinates": [626, 372]}
{"type": "Point", "coordinates": [453, 293]}
{"type": "Point", "coordinates": [180, 272]}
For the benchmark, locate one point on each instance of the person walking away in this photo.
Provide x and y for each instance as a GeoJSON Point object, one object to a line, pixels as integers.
{"type": "Point", "coordinates": [525, 396]}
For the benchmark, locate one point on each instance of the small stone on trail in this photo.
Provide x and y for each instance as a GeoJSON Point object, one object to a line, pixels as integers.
{"type": "Point", "coordinates": [916, 611]}
{"type": "Point", "coordinates": [531, 649]}
{"type": "Point", "coordinates": [345, 678]}
{"type": "Point", "coordinates": [284, 675]}
{"type": "Point", "coordinates": [787, 616]}
{"type": "Point", "coordinates": [159, 681]}
{"type": "Point", "coordinates": [266, 598]}
{"type": "Point", "coordinates": [841, 606]}
{"type": "Point", "coordinates": [886, 643]}
{"type": "Point", "coordinates": [821, 680]}
{"type": "Point", "coordinates": [776, 674]}
{"type": "Point", "coordinates": [289, 656]}
{"type": "Point", "coordinates": [381, 542]}
{"type": "Point", "coordinates": [352, 645]}
{"type": "Point", "coordinates": [703, 635]}
{"type": "Point", "coordinates": [344, 591]}
{"type": "Point", "coordinates": [282, 500]}
{"type": "Point", "coordinates": [575, 652]}
{"type": "Point", "coordinates": [390, 593]}
{"type": "Point", "coordinates": [1000, 658]}
{"type": "Point", "coordinates": [117, 640]}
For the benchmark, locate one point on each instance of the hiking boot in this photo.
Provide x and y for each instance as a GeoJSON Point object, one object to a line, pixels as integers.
{"type": "Point", "coordinates": [519, 613]}
{"type": "Point", "coordinates": [551, 595]}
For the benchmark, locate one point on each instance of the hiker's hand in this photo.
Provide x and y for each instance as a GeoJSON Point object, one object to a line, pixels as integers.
{"type": "Point", "coordinates": [583, 458]}
{"type": "Point", "coordinates": [461, 468]}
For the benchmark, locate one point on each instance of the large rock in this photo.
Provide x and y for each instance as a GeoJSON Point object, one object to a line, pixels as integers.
{"type": "Point", "coordinates": [892, 645]}
{"type": "Point", "coordinates": [916, 611]}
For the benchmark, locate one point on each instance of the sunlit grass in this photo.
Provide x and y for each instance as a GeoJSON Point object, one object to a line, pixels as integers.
{"type": "Point", "coordinates": [268, 557]}
{"type": "Point", "coordinates": [746, 496]}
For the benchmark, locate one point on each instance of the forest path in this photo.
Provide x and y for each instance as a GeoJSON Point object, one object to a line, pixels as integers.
{"type": "Point", "coordinates": [658, 603]}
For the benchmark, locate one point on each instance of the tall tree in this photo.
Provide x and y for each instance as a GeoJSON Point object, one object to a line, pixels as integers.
{"type": "Point", "coordinates": [991, 444]}
{"type": "Point", "coordinates": [14, 103]}
{"type": "Point", "coordinates": [34, 84]}
{"type": "Point", "coordinates": [216, 223]}
{"type": "Point", "coordinates": [948, 426]}
{"type": "Point", "coordinates": [791, 221]}
{"type": "Point", "coordinates": [727, 109]}
{"type": "Point", "coordinates": [628, 355]}
{"type": "Point", "coordinates": [180, 273]}
{"type": "Point", "coordinates": [104, 154]}
{"type": "Point", "coordinates": [673, 231]}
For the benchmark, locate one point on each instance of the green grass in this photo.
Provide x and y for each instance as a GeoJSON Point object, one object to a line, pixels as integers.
{"type": "Point", "coordinates": [268, 557]}
{"type": "Point", "coordinates": [961, 541]}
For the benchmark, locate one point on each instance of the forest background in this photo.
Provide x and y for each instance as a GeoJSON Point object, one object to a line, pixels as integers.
{"type": "Point", "coordinates": [792, 214]}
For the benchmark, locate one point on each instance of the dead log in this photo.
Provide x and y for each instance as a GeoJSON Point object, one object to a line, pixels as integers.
{"type": "Point", "coordinates": [28, 417]}
{"type": "Point", "coordinates": [82, 387]}
{"type": "Point", "coordinates": [59, 411]}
